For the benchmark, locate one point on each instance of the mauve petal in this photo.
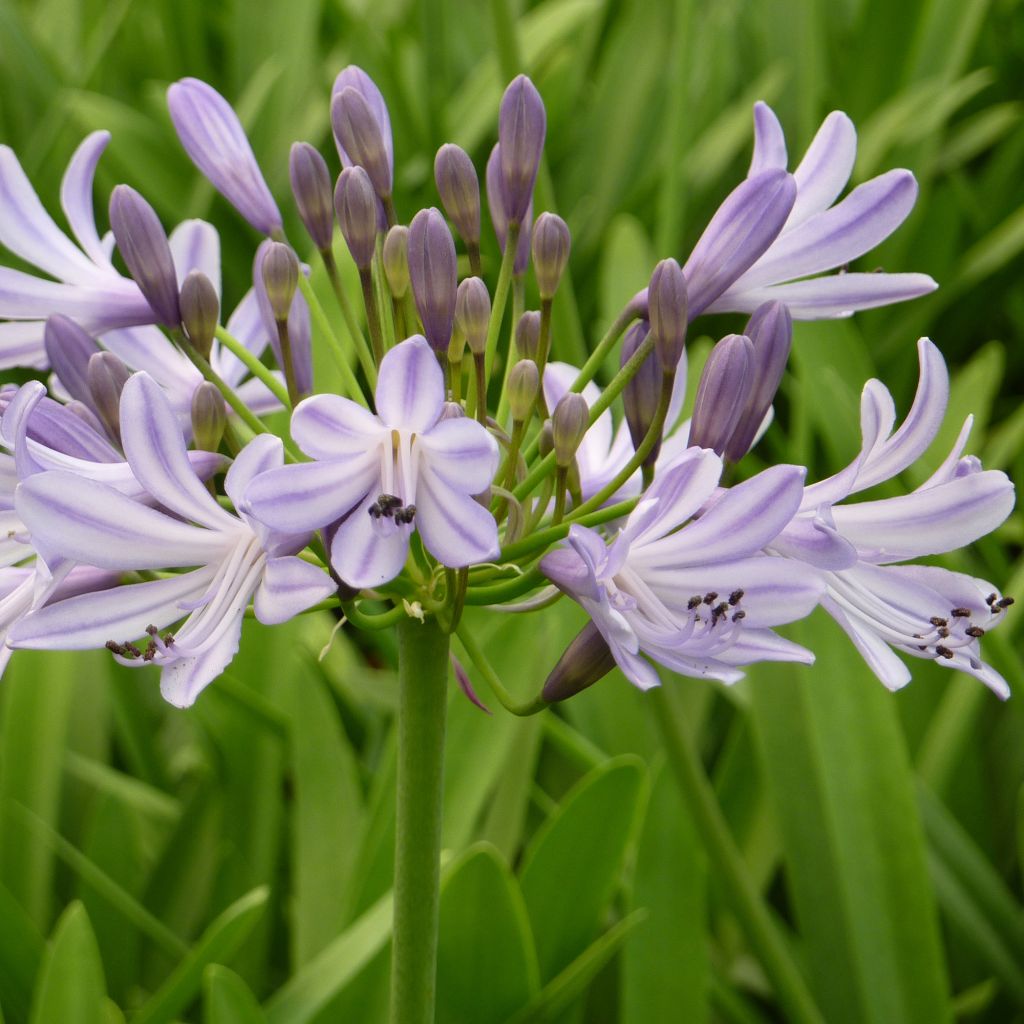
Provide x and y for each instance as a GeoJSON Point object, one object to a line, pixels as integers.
{"type": "Point", "coordinates": [216, 142]}
{"type": "Point", "coordinates": [568, 571]}
{"type": "Point", "coordinates": [195, 245]}
{"type": "Point", "coordinates": [262, 454]}
{"type": "Point", "coordinates": [69, 349]}
{"type": "Point", "coordinates": [356, 78]}
{"type": "Point", "coordinates": [115, 302]}
{"type": "Point", "coordinates": [76, 196]}
{"type": "Point", "coordinates": [455, 529]}
{"type": "Point", "coordinates": [769, 142]}
{"type": "Point", "coordinates": [85, 521]}
{"type": "Point", "coordinates": [764, 645]}
{"type": "Point", "coordinates": [258, 397]}
{"type": "Point", "coordinates": [593, 451]}
{"type": "Point", "coordinates": [364, 555]}
{"type": "Point", "coordinates": [289, 586]}
{"type": "Point", "coordinates": [331, 427]}
{"type": "Point", "coordinates": [155, 449]}
{"type": "Point", "coordinates": [461, 453]}
{"type": "Point", "coordinates": [148, 348]}
{"type": "Point", "coordinates": [308, 496]}
{"type": "Point", "coordinates": [957, 589]}
{"type": "Point", "coordinates": [21, 344]}
{"type": "Point", "coordinates": [410, 386]}
{"type": "Point", "coordinates": [830, 297]}
{"type": "Point", "coordinates": [825, 168]}
{"type": "Point", "coordinates": [815, 540]}
{"type": "Point", "coordinates": [183, 680]}
{"type": "Point", "coordinates": [29, 231]}
{"type": "Point", "coordinates": [929, 522]}
{"type": "Point", "coordinates": [880, 658]}
{"type": "Point", "coordinates": [120, 613]}
{"type": "Point", "coordinates": [245, 325]}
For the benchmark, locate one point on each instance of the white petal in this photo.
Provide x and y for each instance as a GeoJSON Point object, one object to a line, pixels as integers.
{"type": "Point", "coordinates": [410, 386]}
{"type": "Point", "coordinates": [263, 453]}
{"type": "Point", "coordinates": [331, 427]}
{"type": "Point", "coordinates": [456, 530]}
{"type": "Point", "coordinates": [195, 245]}
{"type": "Point", "coordinates": [183, 680]}
{"type": "Point", "coordinates": [363, 554]}
{"type": "Point", "coordinates": [461, 453]}
{"type": "Point", "coordinates": [290, 586]}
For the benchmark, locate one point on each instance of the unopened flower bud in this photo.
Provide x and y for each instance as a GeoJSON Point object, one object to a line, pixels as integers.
{"type": "Point", "coordinates": [86, 415]}
{"type": "Point", "coordinates": [356, 206]}
{"type": "Point", "coordinates": [143, 245]}
{"type": "Point", "coordinates": [521, 127]}
{"type": "Point", "coordinates": [586, 660]}
{"type": "Point", "coordinates": [459, 189]}
{"type": "Point", "coordinates": [106, 375]}
{"type": "Point", "coordinates": [209, 417]}
{"type": "Point", "coordinates": [523, 388]}
{"type": "Point", "coordinates": [360, 138]}
{"type": "Point", "coordinates": [666, 310]}
{"type": "Point", "coordinates": [641, 395]}
{"type": "Point", "coordinates": [473, 313]}
{"type": "Point", "coordinates": [722, 393]}
{"type": "Point", "coordinates": [200, 311]}
{"type": "Point", "coordinates": [311, 186]}
{"type": "Point", "coordinates": [497, 201]}
{"type": "Point", "coordinates": [770, 330]}
{"type": "Point", "coordinates": [546, 440]}
{"type": "Point", "coordinates": [69, 349]}
{"type": "Point", "coordinates": [528, 334]}
{"type": "Point", "coordinates": [550, 242]}
{"type": "Point", "coordinates": [433, 273]}
{"type": "Point", "coordinates": [452, 411]}
{"type": "Point", "coordinates": [396, 260]}
{"type": "Point", "coordinates": [280, 278]}
{"type": "Point", "coordinates": [569, 422]}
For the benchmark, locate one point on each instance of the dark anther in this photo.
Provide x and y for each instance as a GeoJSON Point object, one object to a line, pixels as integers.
{"type": "Point", "coordinates": [719, 612]}
{"type": "Point", "coordinates": [922, 647]}
{"type": "Point", "coordinates": [131, 651]}
{"type": "Point", "coordinates": [990, 600]}
{"type": "Point", "coordinates": [739, 615]}
{"type": "Point", "coordinates": [150, 653]}
{"type": "Point", "coordinates": [375, 512]}
{"type": "Point", "coordinates": [694, 602]}
{"type": "Point", "coordinates": [152, 631]}
{"type": "Point", "coordinates": [735, 597]}
{"type": "Point", "coordinates": [936, 621]}
{"type": "Point", "coordinates": [711, 597]}
{"type": "Point", "coordinates": [114, 647]}
{"type": "Point", "coordinates": [944, 652]}
{"type": "Point", "coordinates": [1004, 602]}
{"type": "Point", "coordinates": [403, 516]}
{"type": "Point", "coordinates": [168, 639]}
{"type": "Point", "coordinates": [388, 502]}
{"type": "Point", "coordinates": [961, 613]}
{"type": "Point", "coordinates": [974, 631]}
{"type": "Point", "coordinates": [943, 632]}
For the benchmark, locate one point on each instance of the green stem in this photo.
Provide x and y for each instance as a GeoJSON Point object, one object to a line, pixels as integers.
{"type": "Point", "coordinates": [285, 341]}
{"type": "Point", "coordinates": [699, 795]}
{"type": "Point", "coordinates": [254, 366]}
{"type": "Point", "coordinates": [422, 703]}
{"type": "Point", "coordinates": [483, 666]}
{"type": "Point", "coordinates": [354, 330]}
{"type": "Point", "coordinates": [372, 315]}
{"type": "Point", "coordinates": [323, 326]}
{"type": "Point", "coordinates": [518, 304]}
{"type": "Point", "coordinates": [500, 298]}
{"type": "Point", "coordinates": [542, 354]}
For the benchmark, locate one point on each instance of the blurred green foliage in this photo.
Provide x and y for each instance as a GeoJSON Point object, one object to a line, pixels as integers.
{"type": "Point", "coordinates": [232, 863]}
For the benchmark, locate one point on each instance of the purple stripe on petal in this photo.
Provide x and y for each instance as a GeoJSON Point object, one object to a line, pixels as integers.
{"type": "Point", "coordinates": [410, 386]}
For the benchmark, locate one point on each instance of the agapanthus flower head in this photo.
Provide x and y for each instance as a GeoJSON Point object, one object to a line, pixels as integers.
{"type": "Point", "coordinates": [380, 477]}
{"type": "Point", "coordinates": [217, 144]}
{"type": "Point", "coordinates": [667, 312]}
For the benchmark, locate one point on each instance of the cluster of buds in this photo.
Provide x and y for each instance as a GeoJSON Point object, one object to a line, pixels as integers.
{"type": "Point", "coordinates": [485, 471]}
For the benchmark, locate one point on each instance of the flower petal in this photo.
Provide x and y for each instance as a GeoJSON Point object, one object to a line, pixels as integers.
{"type": "Point", "coordinates": [364, 555]}
{"type": "Point", "coordinates": [769, 142]}
{"type": "Point", "coordinates": [289, 586]}
{"type": "Point", "coordinates": [880, 658]}
{"type": "Point", "coordinates": [455, 529]}
{"type": "Point", "coordinates": [410, 386]}
{"type": "Point", "coordinates": [76, 196]}
{"type": "Point", "coordinates": [183, 680]}
{"type": "Point", "coordinates": [195, 245]}
{"type": "Point", "coordinates": [461, 453]}
{"type": "Point", "coordinates": [825, 168]}
{"type": "Point", "coordinates": [263, 453]}
{"type": "Point", "coordinates": [331, 427]}
{"type": "Point", "coordinates": [21, 344]}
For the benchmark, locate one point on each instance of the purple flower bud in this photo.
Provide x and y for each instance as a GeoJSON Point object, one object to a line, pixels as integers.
{"type": "Point", "coordinates": [200, 311]}
{"type": "Point", "coordinates": [586, 660]}
{"type": "Point", "coordinates": [143, 245]}
{"type": "Point", "coordinates": [528, 334]}
{"type": "Point", "coordinates": [356, 206]}
{"type": "Point", "coordinates": [354, 77]}
{"type": "Point", "coordinates": [69, 349]}
{"type": "Point", "coordinates": [209, 417]}
{"type": "Point", "coordinates": [666, 305]}
{"type": "Point", "coordinates": [106, 376]}
{"type": "Point", "coordinates": [459, 189]}
{"type": "Point", "coordinates": [641, 395]}
{"type": "Point", "coordinates": [280, 272]}
{"type": "Point", "coordinates": [770, 330]}
{"type": "Point", "coordinates": [214, 139]}
{"type": "Point", "coordinates": [396, 260]}
{"type": "Point", "coordinates": [550, 244]}
{"type": "Point", "coordinates": [521, 126]}
{"type": "Point", "coordinates": [311, 186]}
{"type": "Point", "coordinates": [523, 388]}
{"type": "Point", "coordinates": [569, 422]}
{"type": "Point", "coordinates": [299, 333]}
{"type": "Point", "coordinates": [432, 271]}
{"type": "Point", "coordinates": [473, 313]}
{"type": "Point", "coordinates": [360, 138]}
{"type": "Point", "coordinates": [497, 201]}
{"type": "Point", "coordinates": [722, 393]}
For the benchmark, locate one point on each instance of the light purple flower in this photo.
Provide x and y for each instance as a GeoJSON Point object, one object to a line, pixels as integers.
{"type": "Point", "coordinates": [922, 610]}
{"type": "Point", "coordinates": [85, 285]}
{"type": "Point", "coordinates": [216, 142]}
{"type": "Point", "coordinates": [232, 558]}
{"type": "Point", "coordinates": [819, 234]}
{"type": "Point", "coordinates": [405, 468]}
{"type": "Point", "coordinates": [700, 600]}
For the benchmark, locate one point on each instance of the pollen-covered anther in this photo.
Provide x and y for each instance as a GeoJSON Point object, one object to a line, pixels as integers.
{"type": "Point", "coordinates": [937, 620]}
{"type": "Point", "coordinates": [960, 613]}
{"type": "Point", "coordinates": [975, 631]}
{"type": "Point", "coordinates": [404, 516]}
{"type": "Point", "coordinates": [710, 597]}
{"type": "Point", "coordinates": [738, 616]}
{"type": "Point", "coordinates": [695, 602]}
{"type": "Point", "coordinates": [944, 652]}
{"type": "Point", "coordinates": [735, 597]}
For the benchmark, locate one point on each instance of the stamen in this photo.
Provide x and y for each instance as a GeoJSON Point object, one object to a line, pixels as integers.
{"type": "Point", "coordinates": [735, 597]}
{"type": "Point", "coordinates": [944, 652]}
{"type": "Point", "coordinates": [935, 620]}
{"type": "Point", "coordinates": [404, 516]}
{"type": "Point", "coordinates": [1004, 602]}
{"type": "Point", "coordinates": [694, 602]}
{"type": "Point", "coordinates": [711, 597]}
{"type": "Point", "coordinates": [960, 613]}
{"type": "Point", "coordinates": [737, 616]}
{"type": "Point", "coordinates": [974, 631]}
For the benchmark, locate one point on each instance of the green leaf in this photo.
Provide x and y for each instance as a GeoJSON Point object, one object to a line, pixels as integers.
{"type": "Point", "coordinates": [574, 862]}
{"type": "Point", "coordinates": [216, 945]}
{"type": "Point", "coordinates": [227, 999]}
{"type": "Point", "coordinates": [487, 966]}
{"type": "Point", "coordinates": [70, 988]}
{"type": "Point", "coordinates": [21, 950]}
{"type": "Point", "coordinates": [852, 842]}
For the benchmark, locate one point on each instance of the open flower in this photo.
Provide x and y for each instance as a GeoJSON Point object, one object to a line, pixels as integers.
{"type": "Point", "coordinates": [402, 469]}
{"type": "Point", "coordinates": [922, 610]}
{"type": "Point", "coordinates": [700, 600]}
{"type": "Point", "coordinates": [232, 559]}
